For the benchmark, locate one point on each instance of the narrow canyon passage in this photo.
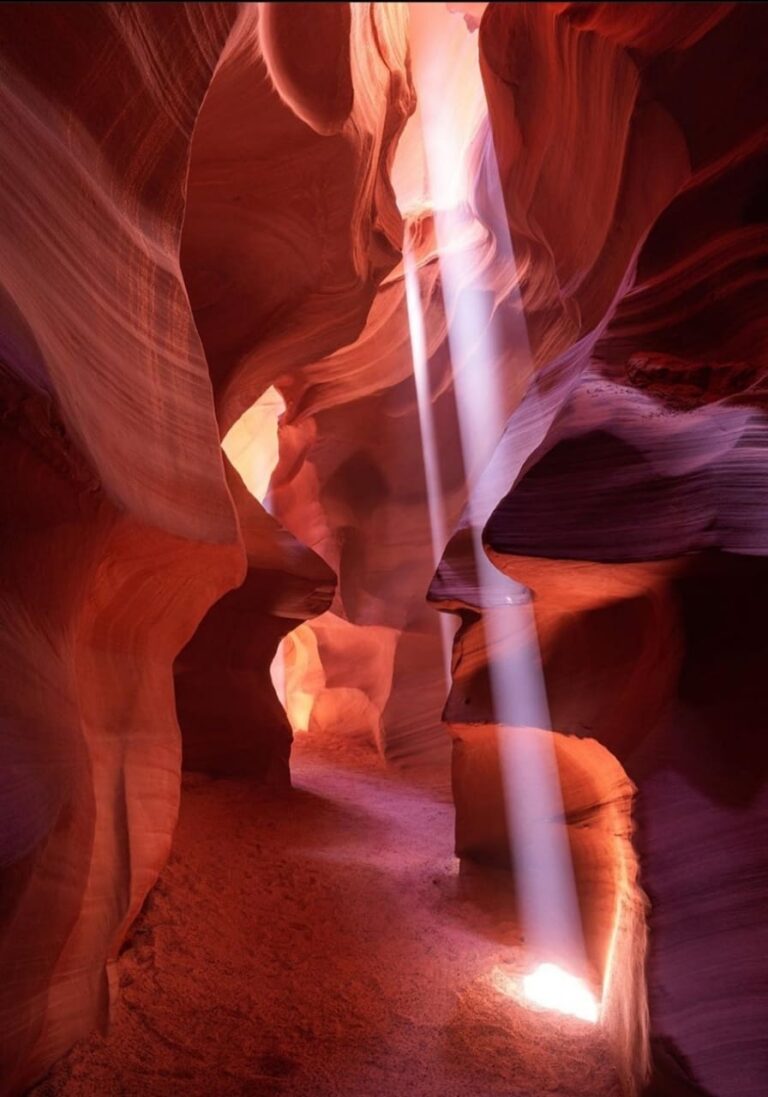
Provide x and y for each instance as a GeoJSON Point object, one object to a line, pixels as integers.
{"type": "Point", "coordinates": [384, 439]}
{"type": "Point", "coordinates": [323, 942]}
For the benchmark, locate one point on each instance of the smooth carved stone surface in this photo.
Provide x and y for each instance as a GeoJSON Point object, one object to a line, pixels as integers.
{"type": "Point", "coordinates": [628, 492]}
{"type": "Point", "coordinates": [95, 605]}
{"type": "Point", "coordinates": [351, 479]}
{"type": "Point", "coordinates": [597, 796]}
{"type": "Point", "coordinates": [291, 222]}
{"type": "Point", "coordinates": [124, 530]}
{"type": "Point", "coordinates": [197, 205]}
{"type": "Point", "coordinates": [677, 647]}
{"type": "Point", "coordinates": [675, 483]}
{"type": "Point", "coordinates": [291, 227]}
{"type": "Point", "coordinates": [361, 503]}
{"type": "Point", "coordinates": [306, 49]}
{"type": "Point", "coordinates": [231, 720]}
{"type": "Point", "coordinates": [118, 530]}
{"type": "Point", "coordinates": [93, 196]}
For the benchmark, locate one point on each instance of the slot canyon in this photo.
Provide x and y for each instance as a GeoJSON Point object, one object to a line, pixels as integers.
{"type": "Point", "coordinates": [384, 553]}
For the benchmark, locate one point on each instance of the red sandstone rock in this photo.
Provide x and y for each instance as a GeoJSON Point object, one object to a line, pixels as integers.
{"type": "Point", "coordinates": [122, 529]}
{"type": "Point", "coordinates": [196, 206]}
{"type": "Point", "coordinates": [646, 443]}
{"type": "Point", "coordinates": [119, 528]}
{"type": "Point", "coordinates": [231, 720]}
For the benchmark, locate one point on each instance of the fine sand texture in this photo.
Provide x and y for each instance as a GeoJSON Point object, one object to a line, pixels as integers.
{"type": "Point", "coordinates": [323, 943]}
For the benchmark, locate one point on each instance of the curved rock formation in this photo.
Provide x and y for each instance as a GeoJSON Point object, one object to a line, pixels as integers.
{"type": "Point", "coordinates": [231, 718]}
{"type": "Point", "coordinates": [351, 480]}
{"type": "Point", "coordinates": [124, 528]}
{"type": "Point", "coordinates": [631, 477]}
{"type": "Point", "coordinates": [291, 225]}
{"type": "Point", "coordinates": [198, 207]}
{"type": "Point", "coordinates": [119, 528]}
{"type": "Point", "coordinates": [291, 222]}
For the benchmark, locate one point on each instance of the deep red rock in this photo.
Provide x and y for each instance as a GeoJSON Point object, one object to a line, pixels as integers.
{"type": "Point", "coordinates": [198, 206]}
{"type": "Point", "coordinates": [633, 503]}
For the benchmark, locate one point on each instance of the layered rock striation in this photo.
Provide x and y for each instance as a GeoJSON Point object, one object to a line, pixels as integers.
{"type": "Point", "coordinates": [628, 494]}
{"type": "Point", "coordinates": [122, 528]}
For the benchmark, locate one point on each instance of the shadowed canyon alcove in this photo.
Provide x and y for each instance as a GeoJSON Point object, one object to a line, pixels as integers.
{"type": "Point", "coordinates": [383, 573]}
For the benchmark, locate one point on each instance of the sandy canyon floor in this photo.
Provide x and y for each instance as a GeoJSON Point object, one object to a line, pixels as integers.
{"type": "Point", "coordinates": [322, 943]}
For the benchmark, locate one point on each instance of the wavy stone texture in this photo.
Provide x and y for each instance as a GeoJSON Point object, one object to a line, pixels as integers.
{"type": "Point", "coordinates": [284, 281]}
{"type": "Point", "coordinates": [291, 222]}
{"type": "Point", "coordinates": [119, 528]}
{"type": "Point", "coordinates": [198, 208]}
{"type": "Point", "coordinates": [222, 675]}
{"type": "Point", "coordinates": [632, 476]}
{"type": "Point", "coordinates": [124, 529]}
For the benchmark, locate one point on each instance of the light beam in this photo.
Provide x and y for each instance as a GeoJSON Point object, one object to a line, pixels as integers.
{"type": "Point", "coordinates": [484, 394]}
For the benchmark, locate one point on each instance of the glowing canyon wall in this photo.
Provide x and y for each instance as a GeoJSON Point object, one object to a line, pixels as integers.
{"type": "Point", "coordinates": [125, 539]}
{"type": "Point", "coordinates": [631, 479]}
{"type": "Point", "coordinates": [204, 202]}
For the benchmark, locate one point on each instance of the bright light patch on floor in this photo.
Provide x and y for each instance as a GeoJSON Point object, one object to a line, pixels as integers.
{"type": "Point", "coordinates": [551, 987]}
